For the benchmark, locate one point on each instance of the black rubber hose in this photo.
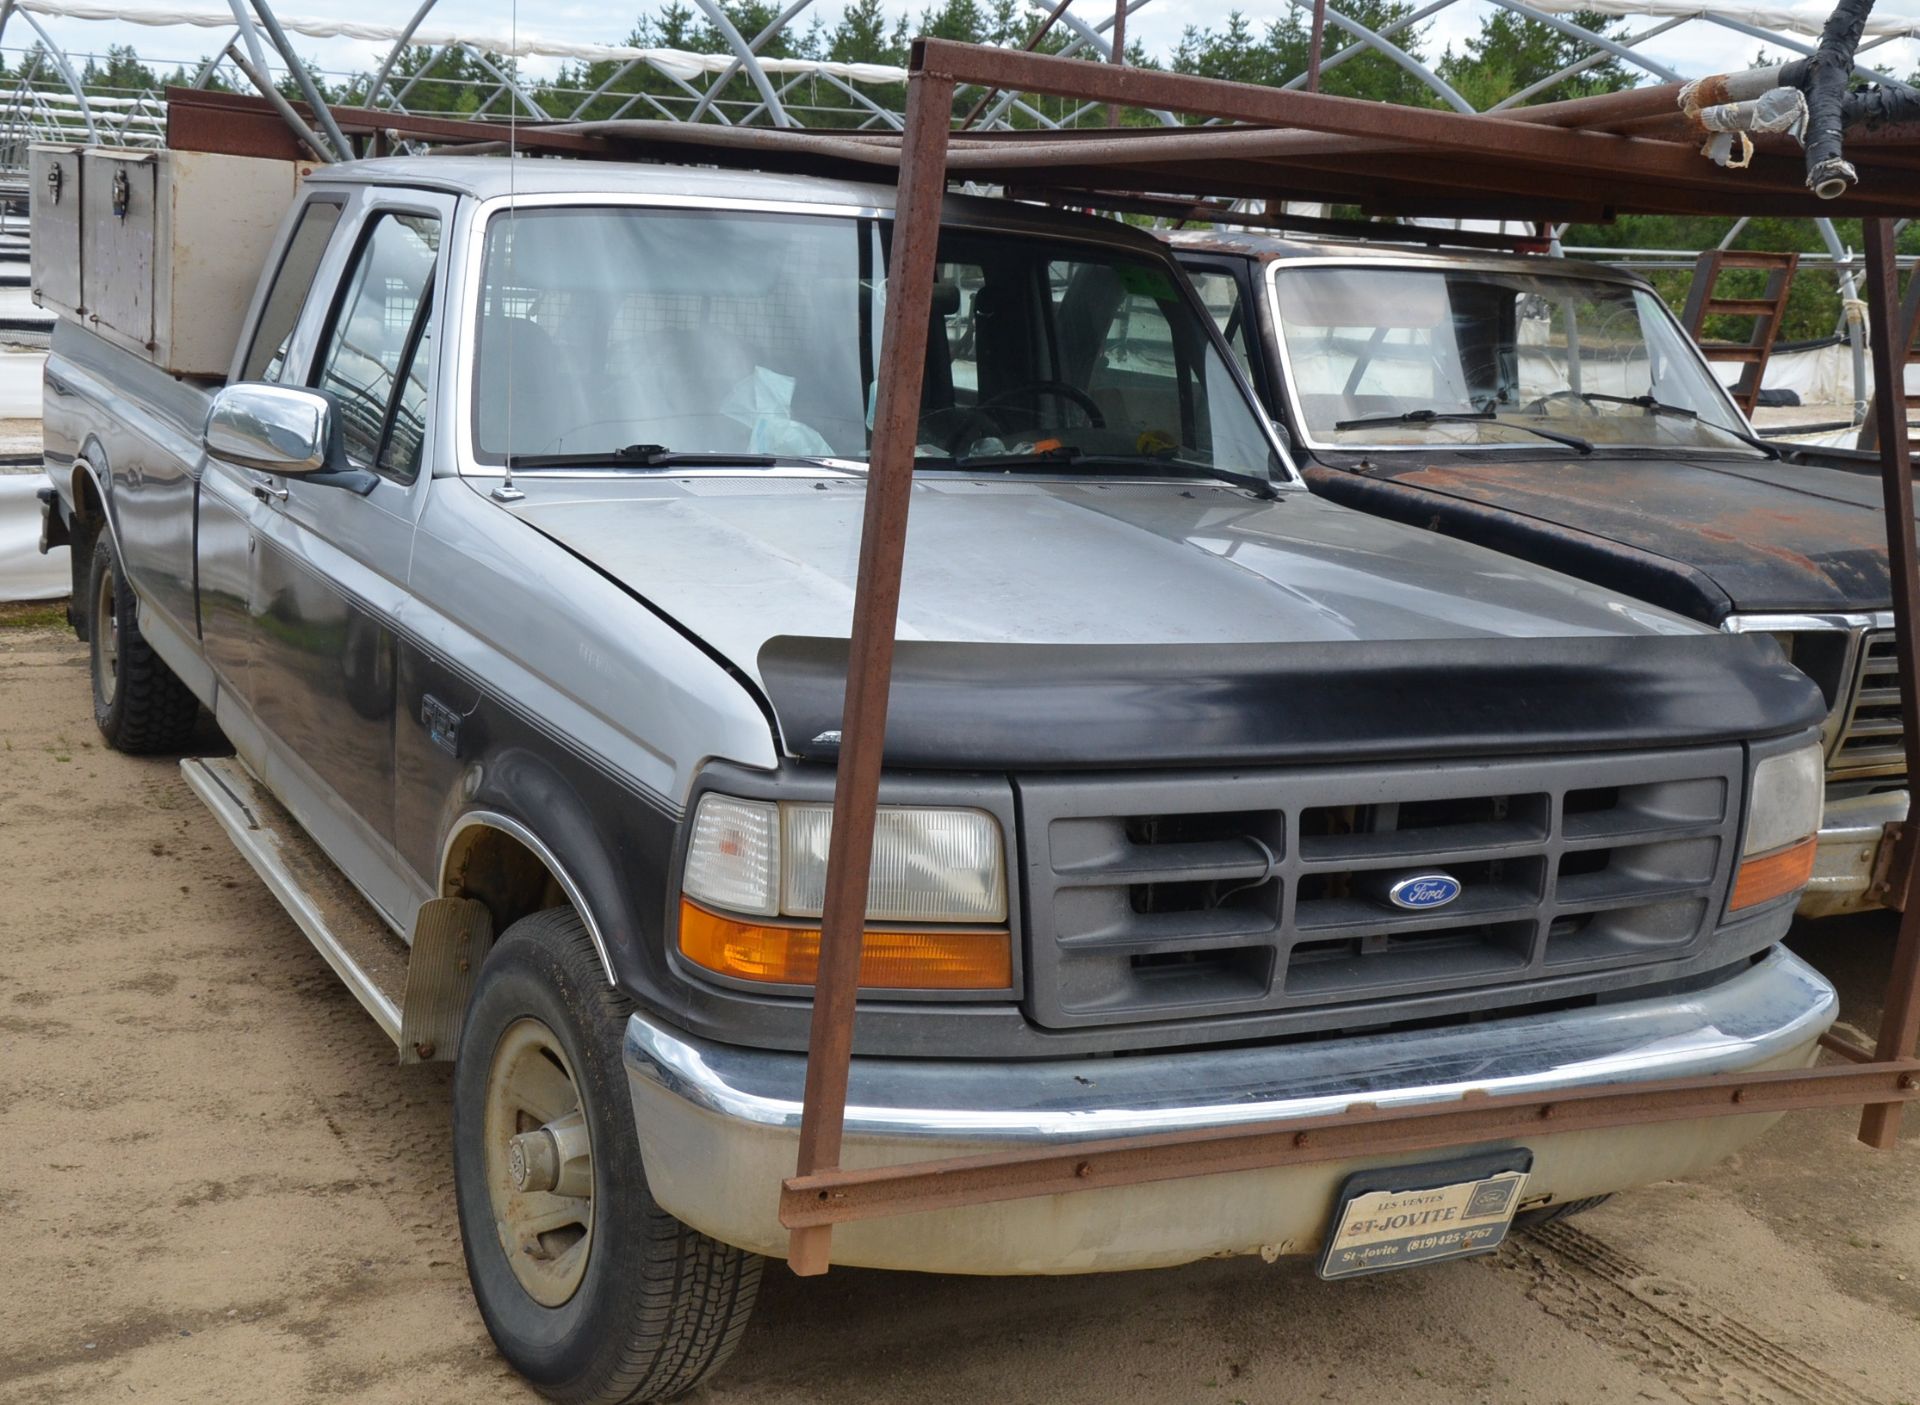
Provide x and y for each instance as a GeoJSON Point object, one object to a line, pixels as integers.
{"type": "Point", "coordinates": [1825, 77]}
{"type": "Point", "coordinates": [1881, 106]}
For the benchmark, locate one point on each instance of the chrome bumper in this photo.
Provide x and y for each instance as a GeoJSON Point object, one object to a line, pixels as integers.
{"type": "Point", "coordinates": [718, 1124]}
{"type": "Point", "coordinates": [1850, 837]}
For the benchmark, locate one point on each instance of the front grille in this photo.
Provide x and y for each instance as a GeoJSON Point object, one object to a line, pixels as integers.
{"type": "Point", "coordinates": [1182, 896]}
{"type": "Point", "coordinates": [1870, 736]}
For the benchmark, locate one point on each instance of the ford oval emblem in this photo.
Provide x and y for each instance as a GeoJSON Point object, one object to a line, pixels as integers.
{"type": "Point", "coordinates": [1424, 890]}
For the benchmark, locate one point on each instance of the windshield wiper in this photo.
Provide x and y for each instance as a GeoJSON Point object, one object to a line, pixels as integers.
{"type": "Point", "coordinates": [647, 456]}
{"type": "Point", "coordinates": [1070, 457]}
{"type": "Point", "coordinates": [1661, 407]}
{"type": "Point", "coordinates": [1572, 441]}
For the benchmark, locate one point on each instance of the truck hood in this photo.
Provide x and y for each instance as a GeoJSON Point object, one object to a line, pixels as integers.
{"type": "Point", "coordinates": [1048, 626]}
{"type": "Point", "coordinates": [1707, 538]}
{"type": "Point", "coordinates": [737, 561]}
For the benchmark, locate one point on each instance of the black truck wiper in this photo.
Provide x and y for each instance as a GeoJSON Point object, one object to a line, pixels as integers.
{"type": "Point", "coordinates": [1661, 407]}
{"type": "Point", "coordinates": [1070, 457]}
{"type": "Point", "coordinates": [1572, 441]}
{"type": "Point", "coordinates": [647, 456]}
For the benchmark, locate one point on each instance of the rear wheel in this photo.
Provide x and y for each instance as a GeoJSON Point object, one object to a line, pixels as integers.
{"type": "Point", "coordinates": [139, 704]}
{"type": "Point", "coordinates": [590, 1289]}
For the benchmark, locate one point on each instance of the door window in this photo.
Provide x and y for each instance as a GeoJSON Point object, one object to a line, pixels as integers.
{"type": "Point", "coordinates": [372, 362]}
{"type": "Point", "coordinates": [266, 357]}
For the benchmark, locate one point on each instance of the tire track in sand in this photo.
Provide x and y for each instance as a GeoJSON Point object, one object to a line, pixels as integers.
{"type": "Point", "coordinates": [1696, 1350]}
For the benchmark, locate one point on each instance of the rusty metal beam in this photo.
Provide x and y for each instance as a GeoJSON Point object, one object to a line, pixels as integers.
{"type": "Point", "coordinates": [1363, 1130]}
{"type": "Point", "coordinates": [1316, 45]}
{"type": "Point", "coordinates": [1900, 1014]}
{"type": "Point", "coordinates": [235, 124]}
{"type": "Point", "coordinates": [1578, 155]}
{"type": "Point", "coordinates": [876, 607]}
{"type": "Point", "coordinates": [1185, 210]}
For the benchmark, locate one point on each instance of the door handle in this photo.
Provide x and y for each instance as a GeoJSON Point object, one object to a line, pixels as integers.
{"type": "Point", "coordinates": [267, 491]}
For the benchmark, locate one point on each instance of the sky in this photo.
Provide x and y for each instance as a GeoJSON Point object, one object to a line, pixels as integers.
{"type": "Point", "coordinates": [1693, 48]}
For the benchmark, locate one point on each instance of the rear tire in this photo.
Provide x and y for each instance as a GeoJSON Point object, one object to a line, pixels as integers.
{"type": "Point", "coordinates": [622, 1303]}
{"type": "Point", "coordinates": [139, 705]}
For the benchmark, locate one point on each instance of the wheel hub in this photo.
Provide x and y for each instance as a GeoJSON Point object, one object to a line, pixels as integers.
{"type": "Point", "coordinates": [106, 639]}
{"type": "Point", "coordinates": [539, 1157]}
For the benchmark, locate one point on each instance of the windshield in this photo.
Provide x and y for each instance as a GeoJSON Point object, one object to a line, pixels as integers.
{"type": "Point", "coordinates": [699, 332]}
{"type": "Point", "coordinates": [1601, 361]}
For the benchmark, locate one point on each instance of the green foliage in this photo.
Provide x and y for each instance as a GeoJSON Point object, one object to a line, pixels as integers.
{"type": "Point", "coordinates": [455, 83]}
{"type": "Point", "coordinates": [1281, 51]}
{"type": "Point", "coordinates": [1511, 54]}
{"type": "Point", "coordinates": [122, 73]}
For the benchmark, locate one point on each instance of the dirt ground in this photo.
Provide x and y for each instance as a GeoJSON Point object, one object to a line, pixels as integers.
{"type": "Point", "coordinates": [215, 1185]}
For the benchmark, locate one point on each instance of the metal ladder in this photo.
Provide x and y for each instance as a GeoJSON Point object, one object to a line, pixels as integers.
{"type": "Point", "coordinates": [1766, 310]}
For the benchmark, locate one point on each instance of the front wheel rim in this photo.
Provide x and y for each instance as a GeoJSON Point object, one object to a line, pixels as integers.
{"type": "Point", "coordinates": [106, 638]}
{"type": "Point", "coordinates": [539, 1163]}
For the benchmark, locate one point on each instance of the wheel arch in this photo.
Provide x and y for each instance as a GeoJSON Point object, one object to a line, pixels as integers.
{"type": "Point", "coordinates": [500, 860]}
{"type": "Point", "coordinates": [86, 486]}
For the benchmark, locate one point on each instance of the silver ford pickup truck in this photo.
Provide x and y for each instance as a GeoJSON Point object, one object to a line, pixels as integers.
{"type": "Point", "coordinates": [514, 556]}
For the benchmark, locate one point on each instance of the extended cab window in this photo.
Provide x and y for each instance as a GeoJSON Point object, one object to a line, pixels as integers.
{"type": "Point", "coordinates": [372, 362]}
{"type": "Point", "coordinates": [266, 357]}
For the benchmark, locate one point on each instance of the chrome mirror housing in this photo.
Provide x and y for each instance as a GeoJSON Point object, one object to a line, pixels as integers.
{"type": "Point", "coordinates": [273, 428]}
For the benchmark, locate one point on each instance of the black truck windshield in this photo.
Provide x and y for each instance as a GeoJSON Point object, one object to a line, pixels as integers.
{"type": "Point", "coordinates": [700, 332]}
{"type": "Point", "coordinates": [1479, 358]}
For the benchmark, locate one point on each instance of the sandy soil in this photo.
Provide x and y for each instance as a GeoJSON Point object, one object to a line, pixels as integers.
{"type": "Point", "coordinates": [218, 1187]}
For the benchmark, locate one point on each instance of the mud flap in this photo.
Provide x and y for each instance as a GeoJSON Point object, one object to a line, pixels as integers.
{"type": "Point", "coordinates": [451, 937]}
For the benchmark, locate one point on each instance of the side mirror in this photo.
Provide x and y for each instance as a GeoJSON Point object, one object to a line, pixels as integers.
{"type": "Point", "coordinates": [273, 428]}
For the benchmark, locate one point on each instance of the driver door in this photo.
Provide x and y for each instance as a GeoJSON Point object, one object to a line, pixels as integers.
{"type": "Point", "coordinates": [330, 575]}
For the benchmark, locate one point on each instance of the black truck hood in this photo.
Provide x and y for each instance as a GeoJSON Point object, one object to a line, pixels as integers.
{"type": "Point", "coordinates": [1704, 537]}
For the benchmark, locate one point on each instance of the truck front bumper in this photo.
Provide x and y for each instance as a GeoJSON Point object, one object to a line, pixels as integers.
{"type": "Point", "coordinates": [719, 1124]}
{"type": "Point", "coordinates": [1850, 840]}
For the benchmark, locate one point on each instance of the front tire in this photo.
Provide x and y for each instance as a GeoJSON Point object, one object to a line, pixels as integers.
{"type": "Point", "coordinates": [591, 1291]}
{"type": "Point", "coordinates": [139, 705]}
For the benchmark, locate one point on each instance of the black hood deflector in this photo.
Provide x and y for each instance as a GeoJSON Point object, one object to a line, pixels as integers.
{"type": "Point", "coordinates": [1076, 706]}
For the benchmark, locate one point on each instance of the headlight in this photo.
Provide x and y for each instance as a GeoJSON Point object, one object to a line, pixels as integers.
{"type": "Point", "coordinates": [928, 865]}
{"type": "Point", "coordinates": [1783, 823]}
{"type": "Point", "coordinates": [932, 868]}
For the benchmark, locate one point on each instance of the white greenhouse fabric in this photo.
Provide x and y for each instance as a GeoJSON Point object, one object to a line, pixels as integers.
{"type": "Point", "coordinates": [1785, 19]}
{"type": "Point", "coordinates": [674, 62]}
{"type": "Point", "coordinates": [24, 573]}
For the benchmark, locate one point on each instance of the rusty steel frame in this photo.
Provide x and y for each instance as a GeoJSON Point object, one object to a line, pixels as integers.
{"type": "Point", "coordinates": [810, 1202]}
{"type": "Point", "coordinates": [821, 1194]}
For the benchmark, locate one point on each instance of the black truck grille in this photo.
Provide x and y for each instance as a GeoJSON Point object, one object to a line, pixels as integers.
{"type": "Point", "coordinates": [1870, 740]}
{"type": "Point", "coordinates": [1180, 896]}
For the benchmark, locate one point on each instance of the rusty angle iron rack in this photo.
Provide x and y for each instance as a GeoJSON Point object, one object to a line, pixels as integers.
{"type": "Point", "coordinates": [1584, 159]}
{"type": "Point", "coordinates": [822, 1194]}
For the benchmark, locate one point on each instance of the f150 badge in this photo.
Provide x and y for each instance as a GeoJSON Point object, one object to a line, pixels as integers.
{"type": "Point", "coordinates": [1424, 890]}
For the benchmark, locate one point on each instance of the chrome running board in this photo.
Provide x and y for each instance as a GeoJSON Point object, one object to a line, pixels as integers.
{"type": "Point", "coordinates": [341, 924]}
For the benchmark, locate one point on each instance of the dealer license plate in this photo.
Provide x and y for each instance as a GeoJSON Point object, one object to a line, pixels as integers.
{"type": "Point", "coordinates": [1403, 1216]}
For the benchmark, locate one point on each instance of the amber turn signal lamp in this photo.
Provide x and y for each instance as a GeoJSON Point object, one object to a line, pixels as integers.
{"type": "Point", "coordinates": [1767, 876]}
{"type": "Point", "coordinates": [964, 958]}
